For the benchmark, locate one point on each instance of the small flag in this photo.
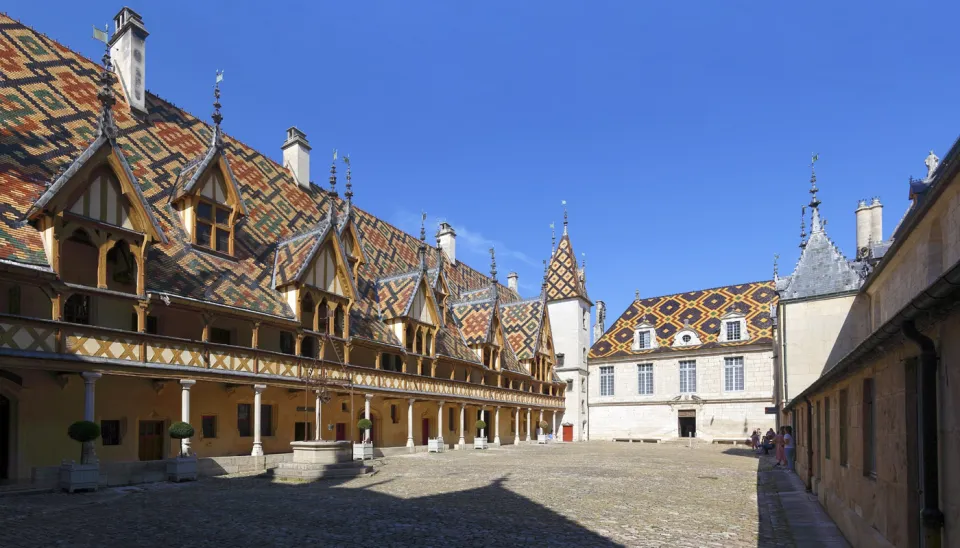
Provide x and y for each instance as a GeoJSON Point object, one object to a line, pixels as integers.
{"type": "Point", "coordinates": [101, 34]}
{"type": "Point", "coordinates": [815, 157]}
{"type": "Point", "coordinates": [219, 76]}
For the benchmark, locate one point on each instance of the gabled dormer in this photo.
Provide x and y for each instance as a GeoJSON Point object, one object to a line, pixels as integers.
{"type": "Point", "coordinates": [733, 327]}
{"type": "Point", "coordinates": [441, 292]}
{"type": "Point", "coordinates": [94, 216]}
{"type": "Point", "coordinates": [312, 273]}
{"type": "Point", "coordinates": [351, 246]}
{"type": "Point", "coordinates": [207, 196]}
{"type": "Point", "coordinates": [645, 336]}
{"type": "Point", "coordinates": [545, 359]}
{"type": "Point", "coordinates": [409, 309]}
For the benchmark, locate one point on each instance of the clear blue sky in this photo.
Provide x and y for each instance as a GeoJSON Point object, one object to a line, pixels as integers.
{"type": "Point", "coordinates": [679, 132]}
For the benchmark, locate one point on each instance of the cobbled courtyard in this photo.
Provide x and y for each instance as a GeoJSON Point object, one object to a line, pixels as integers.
{"type": "Point", "coordinates": [592, 494]}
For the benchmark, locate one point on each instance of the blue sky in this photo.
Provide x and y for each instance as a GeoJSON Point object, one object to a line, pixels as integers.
{"type": "Point", "coordinates": [679, 133]}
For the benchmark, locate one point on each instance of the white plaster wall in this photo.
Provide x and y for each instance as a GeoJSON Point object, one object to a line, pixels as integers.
{"type": "Point", "coordinates": [810, 332]}
{"type": "Point", "coordinates": [571, 337]}
{"type": "Point", "coordinates": [714, 420]}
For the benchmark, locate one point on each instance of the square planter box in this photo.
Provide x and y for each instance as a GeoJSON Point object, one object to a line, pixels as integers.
{"type": "Point", "coordinates": [436, 445]}
{"type": "Point", "coordinates": [542, 438]}
{"type": "Point", "coordinates": [363, 451]}
{"type": "Point", "coordinates": [182, 468]}
{"type": "Point", "coordinates": [480, 443]}
{"type": "Point", "coordinates": [76, 477]}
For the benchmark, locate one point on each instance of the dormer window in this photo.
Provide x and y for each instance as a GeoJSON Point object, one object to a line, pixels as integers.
{"type": "Point", "coordinates": [645, 337]}
{"type": "Point", "coordinates": [686, 337]}
{"type": "Point", "coordinates": [214, 229]}
{"type": "Point", "coordinates": [733, 327]}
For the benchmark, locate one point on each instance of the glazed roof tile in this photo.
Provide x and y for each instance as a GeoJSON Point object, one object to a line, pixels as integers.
{"type": "Point", "coordinates": [563, 276]}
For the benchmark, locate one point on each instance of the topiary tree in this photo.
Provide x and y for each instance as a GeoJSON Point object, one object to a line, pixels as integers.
{"type": "Point", "coordinates": [365, 425]}
{"type": "Point", "coordinates": [181, 431]}
{"type": "Point", "coordinates": [84, 432]}
{"type": "Point", "coordinates": [481, 425]}
{"type": "Point", "coordinates": [543, 426]}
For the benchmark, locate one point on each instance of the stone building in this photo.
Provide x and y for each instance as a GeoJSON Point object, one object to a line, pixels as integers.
{"type": "Point", "coordinates": [147, 259]}
{"type": "Point", "coordinates": [698, 364]}
{"type": "Point", "coordinates": [872, 404]}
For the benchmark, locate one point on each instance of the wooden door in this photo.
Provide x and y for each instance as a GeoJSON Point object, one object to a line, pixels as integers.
{"type": "Point", "coordinates": [567, 432]}
{"type": "Point", "coordinates": [425, 431]}
{"type": "Point", "coordinates": [341, 431]}
{"type": "Point", "coordinates": [151, 440]}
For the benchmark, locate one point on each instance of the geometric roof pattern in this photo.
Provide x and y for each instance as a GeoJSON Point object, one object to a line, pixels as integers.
{"type": "Point", "coordinates": [396, 293]}
{"type": "Point", "coordinates": [522, 322]}
{"type": "Point", "coordinates": [563, 276]}
{"type": "Point", "coordinates": [475, 318]}
{"type": "Point", "coordinates": [49, 115]}
{"type": "Point", "coordinates": [701, 310]}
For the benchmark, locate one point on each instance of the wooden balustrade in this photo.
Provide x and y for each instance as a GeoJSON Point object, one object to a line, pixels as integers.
{"type": "Point", "coordinates": [27, 336]}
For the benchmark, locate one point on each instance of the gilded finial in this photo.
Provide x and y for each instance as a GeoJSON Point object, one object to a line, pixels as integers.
{"type": "Point", "coordinates": [333, 174]}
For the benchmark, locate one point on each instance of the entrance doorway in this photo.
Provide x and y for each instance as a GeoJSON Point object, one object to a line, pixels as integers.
{"type": "Point", "coordinates": [687, 423]}
{"type": "Point", "coordinates": [567, 432]}
{"type": "Point", "coordinates": [4, 438]}
{"type": "Point", "coordinates": [341, 431]}
{"type": "Point", "coordinates": [425, 431]}
{"type": "Point", "coordinates": [151, 440]}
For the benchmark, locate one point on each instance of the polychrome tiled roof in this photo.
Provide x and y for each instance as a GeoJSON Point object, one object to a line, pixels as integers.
{"type": "Point", "coordinates": [522, 322]}
{"type": "Point", "coordinates": [396, 292]}
{"type": "Point", "coordinates": [563, 276]}
{"type": "Point", "coordinates": [294, 254]}
{"type": "Point", "coordinates": [48, 117]}
{"type": "Point", "coordinates": [474, 320]}
{"type": "Point", "coordinates": [702, 310]}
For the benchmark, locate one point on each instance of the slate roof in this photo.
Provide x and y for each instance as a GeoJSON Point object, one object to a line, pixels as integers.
{"type": "Point", "coordinates": [48, 117]}
{"type": "Point", "coordinates": [563, 276]}
{"type": "Point", "coordinates": [701, 309]}
{"type": "Point", "coordinates": [822, 269]}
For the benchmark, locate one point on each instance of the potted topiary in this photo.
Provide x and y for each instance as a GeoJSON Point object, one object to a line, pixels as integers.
{"type": "Point", "coordinates": [86, 475]}
{"type": "Point", "coordinates": [182, 467]}
{"type": "Point", "coordinates": [364, 449]}
{"type": "Point", "coordinates": [542, 435]}
{"type": "Point", "coordinates": [480, 442]}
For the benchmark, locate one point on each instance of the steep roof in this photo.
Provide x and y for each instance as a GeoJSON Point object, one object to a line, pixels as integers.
{"type": "Point", "coordinates": [563, 276]}
{"type": "Point", "coordinates": [701, 310]}
{"type": "Point", "coordinates": [821, 270]}
{"type": "Point", "coordinates": [522, 322]}
{"type": "Point", "coordinates": [48, 117]}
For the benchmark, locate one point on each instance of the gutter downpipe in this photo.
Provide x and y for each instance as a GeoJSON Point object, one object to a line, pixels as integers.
{"type": "Point", "coordinates": [809, 437]}
{"type": "Point", "coordinates": [931, 516]}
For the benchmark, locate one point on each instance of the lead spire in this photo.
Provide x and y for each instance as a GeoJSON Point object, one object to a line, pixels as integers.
{"type": "Point", "coordinates": [423, 241]}
{"type": "Point", "coordinates": [803, 227]}
{"type": "Point", "coordinates": [333, 174]}
{"type": "Point", "coordinates": [493, 265]}
{"type": "Point", "coordinates": [564, 203]}
{"type": "Point", "coordinates": [105, 123]}
{"type": "Point", "coordinates": [553, 237]}
{"type": "Point", "coordinates": [217, 116]}
{"type": "Point", "coordinates": [815, 225]}
{"type": "Point", "coordinates": [349, 192]}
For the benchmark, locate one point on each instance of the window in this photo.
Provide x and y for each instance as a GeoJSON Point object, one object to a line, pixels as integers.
{"type": "Point", "coordinates": [266, 420]}
{"type": "Point", "coordinates": [219, 335]}
{"type": "Point", "coordinates": [394, 414]}
{"type": "Point", "coordinates": [244, 420]}
{"type": "Point", "coordinates": [733, 331]}
{"type": "Point", "coordinates": [151, 324]}
{"type": "Point", "coordinates": [302, 431]}
{"type": "Point", "coordinates": [686, 339]}
{"type": "Point", "coordinates": [308, 347]}
{"type": "Point", "coordinates": [643, 340]}
{"type": "Point", "coordinates": [213, 226]}
{"type": "Point", "coordinates": [450, 418]}
{"type": "Point", "coordinates": [343, 406]}
{"type": "Point", "coordinates": [688, 376]}
{"type": "Point", "coordinates": [826, 427]}
{"type": "Point", "coordinates": [208, 426]}
{"type": "Point", "coordinates": [869, 431]}
{"type": "Point", "coordinates": [13, 300]}
{"type": "Point", "coordinates": [606, 380]}
{"type": "Point", "coordinates": [110, 432]}
{"type": "Point", "coordinates": [287, 345]}
{"type": "Point", "coordinates": [77, 309]}
{"type": "Point", "coordinates": [733, 374]}
{"type": "Point", "coordinates": [842, 415]}
{"type": "Point", "coordinates": [645, 379]}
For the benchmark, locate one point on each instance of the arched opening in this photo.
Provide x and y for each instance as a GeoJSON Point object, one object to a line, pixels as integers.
{"type": "Point", "coordinates": [307, 311]}
{"type": "Point", "coordinates": [338, 322]}
{"type": "Point", "coordinates": [121, 268]}
{"type": "Point", "coordinates": [323, 317]}
{"type": "Point", "coordinates": [76, 309]}
{"type": "Point", "coordinates": [428, 349]}
{"type": "Point", "coordinates": [308, 347]}
{"type": "Point", "coordinates": [419, 342]}
{"type": "Point", "coordinates": [79, 259]}
{"type": "Point", "coordinates": [408, 339]}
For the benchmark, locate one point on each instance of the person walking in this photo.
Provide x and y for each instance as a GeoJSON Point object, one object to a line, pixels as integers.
{"type": "Point", "coordinates": [788, 447]}
{"type": "Point", "coordinates": [780, 453]}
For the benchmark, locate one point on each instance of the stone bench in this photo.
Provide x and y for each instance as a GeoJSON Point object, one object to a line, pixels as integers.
{"type": "Point", "coordinates": [732, 441]}
{"type": "Point", "coordinates": [639, 440]}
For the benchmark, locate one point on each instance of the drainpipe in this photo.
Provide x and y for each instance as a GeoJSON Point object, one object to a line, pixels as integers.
{"type": "Point", "coordinates": [809, 433]}
{"type": "Point", "coordinates": [931, 516]}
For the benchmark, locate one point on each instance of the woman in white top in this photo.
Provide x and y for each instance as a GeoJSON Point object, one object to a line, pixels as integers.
{"type": "Point", "coordinates": [789, 447]}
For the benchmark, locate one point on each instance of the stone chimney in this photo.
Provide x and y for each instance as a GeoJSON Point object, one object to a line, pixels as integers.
{"type": "Point", "coordinates": [448, 241]}
{"type": "Point", "coordinates": [876, 221]}
{"type": "Point", "coordinates": [863, 227]}
{"type": "Point", "coordinates": [128, 53]}
{"type": "Point", "coordinates": [512, 281]}
{"type": "Point", "coordinates": [296, 156]}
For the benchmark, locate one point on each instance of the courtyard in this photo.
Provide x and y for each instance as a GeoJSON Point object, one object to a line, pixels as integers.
{"type": "Point", "coordinates": [588, 494]}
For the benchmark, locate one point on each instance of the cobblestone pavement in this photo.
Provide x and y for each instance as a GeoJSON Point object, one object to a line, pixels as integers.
{"type": "Point", "coordinates": [593, 494]}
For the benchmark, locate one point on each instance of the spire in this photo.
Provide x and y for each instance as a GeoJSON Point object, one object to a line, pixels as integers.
{"type": "Point", "coordinates": [553, 237]}
{"type": "Point", "coordinates": [543, 284]}
{"type": "Point", "coordinates": [776, 273]}
{"type": "Point", "coordinates": [493, 265]}
{"type": "Point", "coordinates": [333, 174]}
{"type": "Point", "coordinates": [564, 203]}
{"type": "Point", "coordinates": [636, 294]}
{"type": "Point", "coordinates": [217, 117]}
{"type": "Point", "coordinates": [439, 253]}
{"type": "Point", "coordinates": [803, 227]}
{"type": "Point", "coordinates": [349, 193]}
{"type": "Point", "coordinates": [815, 225]}
{"type": "Point", "coordinates": [106, 124]}
{"type": "Point", "coordinates": [423, 242]}
{"type": "Point", "coordinates": [583, 269]}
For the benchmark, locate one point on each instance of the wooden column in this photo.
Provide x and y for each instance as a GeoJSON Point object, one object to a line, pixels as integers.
{"type": "Point", "coordinates": [376, 363]}
{"type": "Point", "coordinates": [255, 344]}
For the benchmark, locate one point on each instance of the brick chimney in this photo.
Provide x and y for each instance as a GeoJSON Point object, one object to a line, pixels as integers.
{"type": "Point", "coordinates": [296, 156]}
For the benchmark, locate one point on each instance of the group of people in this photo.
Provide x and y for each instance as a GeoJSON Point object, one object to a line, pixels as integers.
{"type": "Point", "coordinates": [781, 442]}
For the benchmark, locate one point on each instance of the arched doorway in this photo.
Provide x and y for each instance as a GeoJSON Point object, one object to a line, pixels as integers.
{"type": "Point", "coordinates": [5, 434]}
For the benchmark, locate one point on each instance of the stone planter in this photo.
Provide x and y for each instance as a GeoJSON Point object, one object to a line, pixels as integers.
{"type": "Point", "coordinates": [542, 438]}
{"type": "Point", "coordinates": [363, 451]}
{"type": "Point", "coordinates": [480, 443]}
{"type": "Point", "coordinates": [436, 445]}
{"type": "Point", "coordinates": [77, 477]}
{"type": "Point", "coordinates": [182, 468]}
